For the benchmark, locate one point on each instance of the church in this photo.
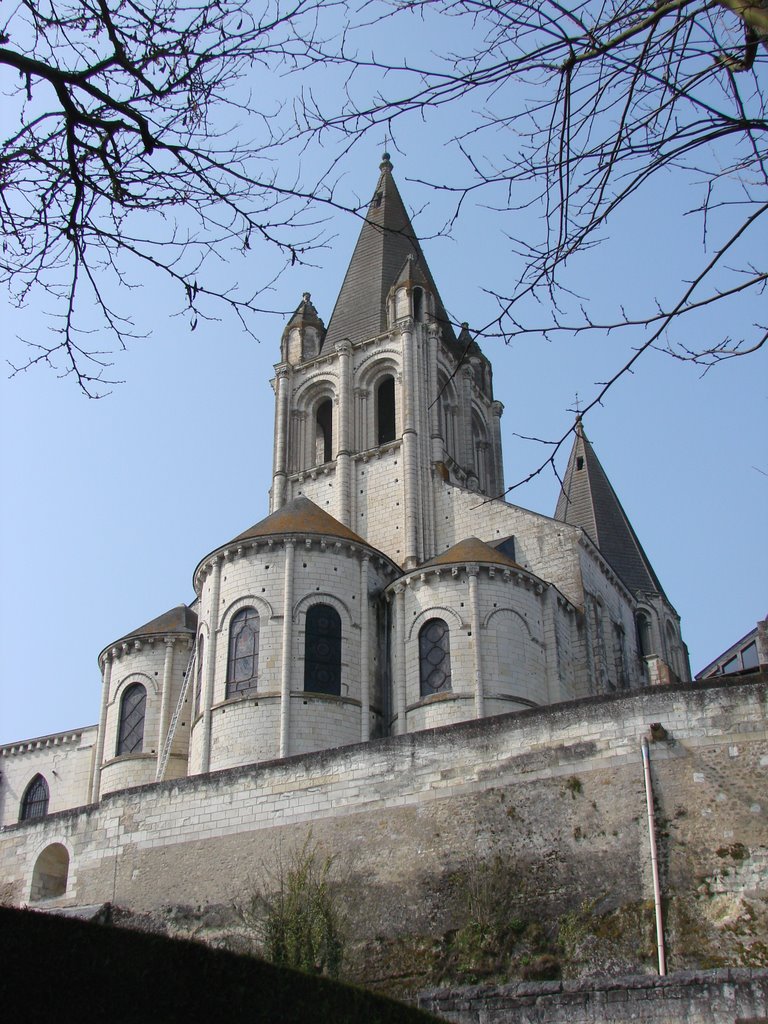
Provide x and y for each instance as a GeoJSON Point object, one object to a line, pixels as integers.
{"type": "Point", "coordinates": [391, 589]}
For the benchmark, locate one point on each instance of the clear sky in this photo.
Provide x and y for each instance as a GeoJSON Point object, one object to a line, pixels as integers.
{"type": "Point", "coordinates": [107, 506]}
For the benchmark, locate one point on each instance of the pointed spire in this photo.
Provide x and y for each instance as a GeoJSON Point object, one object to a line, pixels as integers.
{"type": "Point", "coordinates": [386, 241]}
{"type": "Point", "coordinates": [588, 500]}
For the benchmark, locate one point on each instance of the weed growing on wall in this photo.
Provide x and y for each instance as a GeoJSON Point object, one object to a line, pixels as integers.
{"type": "Point", "coordinates": [297, 919]}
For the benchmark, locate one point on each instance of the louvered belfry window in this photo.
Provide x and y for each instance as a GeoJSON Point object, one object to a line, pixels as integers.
{"type": "Point", "coordinates": [34, 803]}
{"type": "Point", "coordinates": [133, 708]}
{"type": "Point", "coordinates": [322, 650]}
{"type": "Point", "coordinates": [434, 658]}
{"type": "Point", "coordinates": [243, 660]}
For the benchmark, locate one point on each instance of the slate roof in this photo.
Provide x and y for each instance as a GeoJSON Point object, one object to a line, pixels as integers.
{"type": "Point", "coordinates": [473, 550]}
{"type": "Point", "coordinates": [386, 241]}
{"type": "Point", "coordinates": [588, 500]}
{"type": "Point", "coordinates": [300, 516]}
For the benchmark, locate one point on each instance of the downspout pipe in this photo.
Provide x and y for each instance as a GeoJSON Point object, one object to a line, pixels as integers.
{"type": "Point", "coordinates": [654, 858]}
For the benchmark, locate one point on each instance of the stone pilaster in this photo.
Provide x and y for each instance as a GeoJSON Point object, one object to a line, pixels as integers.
{"type": "Point", "coordinates": [366, 676]}
{"type": "Point", "coordinates": [343, 467]}
{"type": "Point", "coordinates": [210, 664]}
{"type": "Point", "coordinates": [286, 662]}
{"type": "Point", "coordinates": [165, 699]}
{"type": "Point", "coordinates": [106, 677]}
{"type": "Point", "coordinates": [498, 460]}
{"type": "Point", "coordinates": [410, 449]}
{"type": "Point", "coordinates": [474, 618]}
{"type": "Point", "coordinates": [280, 453]}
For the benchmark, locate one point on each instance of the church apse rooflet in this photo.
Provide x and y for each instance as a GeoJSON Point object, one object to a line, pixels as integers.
{"type": "Point", "coordinates": [472, 549]}
{"type": "Point", "coordinates": [300, 516]}
{"type": "Point", "coordinates": [180, 619]}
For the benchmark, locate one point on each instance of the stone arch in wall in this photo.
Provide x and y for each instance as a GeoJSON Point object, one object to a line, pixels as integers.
{"type": "Point", "coordinates": [34, 802]}
{"type": "Point", "coordinates": [644, 633]}
{"type": "Point", "coordinates": [50, 874]}
{"type": "Point", "coordinates": [673, 648]}
{"type": "Point", "coordinates": [435, 611]}
{"type": "Point", "coordinates": [481, 449]}
{"type": "Point", "coordinates": [314, 428]}
{"type": "Point", "coordinates": [447, 414]}
{"type": "Point", "coordinates": [349, 680]}
{"type": "Point", "coordinates": [371, 374]}
{"type": "Point", "coordinates": [520, 662]}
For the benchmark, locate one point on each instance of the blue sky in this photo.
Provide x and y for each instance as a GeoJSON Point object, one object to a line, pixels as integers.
{"type": "Point", "coordinates": [107, 506]}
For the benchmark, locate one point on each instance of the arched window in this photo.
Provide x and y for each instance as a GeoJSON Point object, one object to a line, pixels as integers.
{"type": "Point", "coordinates": [34, 803]}
{"type": "Point", "coordinates": [672, 648]}
{"type": "Point", "coordinates": [418, 304]}
{"type": "Point", "coordinates": [243, 657]}
{"type": "Point", "coordinates": [324, 432]}
{"type": "Point", "coordinates": [385, 410]}
{"type": "Point", "coordinates": [434, 658]}
{"type": "Point", "coordinates": [133, 707]}
{"type": "Point", "coordinates": [643, 634]}
{"type": "Point", "coordinates": [49, 877]}
{"type": "Point", "coordinates": [199, 672]}
{"type": "Point", "coordinates": [322, 650]}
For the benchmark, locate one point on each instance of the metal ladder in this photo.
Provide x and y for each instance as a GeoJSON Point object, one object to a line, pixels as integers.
{"type": "Point", "coordinates": [165, 753]}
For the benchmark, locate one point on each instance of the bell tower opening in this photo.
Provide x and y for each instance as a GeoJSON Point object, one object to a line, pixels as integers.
{"type": "Point", "coordinates": [324, 432]}
{"type": "Point", "coordinates": [385, 411]}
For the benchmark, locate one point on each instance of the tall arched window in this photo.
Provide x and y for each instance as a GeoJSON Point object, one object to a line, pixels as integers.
{"type": "Point", "coordinates": [324, 431]}
{"type": "Point", "coordinates": [133, 707]}
{"type": "Point", "coordinates": [385, 410]}
{"type": "Point", "coordinates": [643, 626]}
{"type": "Point", "coordinates": [199, 672]}
{"type": "Point", "coordinates": [418, 304]}
{"type": "Point", "coordinates": [243, 657]}
{"type": "Point", "coordinates": [434, 658]}
{"type": "Point", "coordinates": [322, 650]}
{"type": "Point", "coordinates": [34, 803]}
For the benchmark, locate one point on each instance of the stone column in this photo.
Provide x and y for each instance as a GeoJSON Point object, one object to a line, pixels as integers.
{"type": "Point", "coordinates": [106, 678]}
{"type": "Point", "coordinates": [399, 674]}
{"type": "Point", "coordinates": [474, 618]}
{"type": "Point", "coordinates": [410, 451]}
{"type": "Point", "coordinates": [432, 394]}
{"type": "Point", "coordinates": [344, 349]}
{"type": "Point", "coordinates": [280, 453]}
{"type": "Point", "coordinates": [210, 665]}
{"type": "Point", "coordinates": [285, 668]}
{"type": "Point", "coordinates": [467, 441]}
{"type": "Point", "coordinates": [498, 459]}
{"type": "Point", "coordinates": [366, 676]}
{"type": "Point", "coordinates": [551, 650]}
{"type": "Point", "coordinates": [165, 701]}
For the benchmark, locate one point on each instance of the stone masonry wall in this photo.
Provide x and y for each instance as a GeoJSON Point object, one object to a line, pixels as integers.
{"type": "Point", "coordinates": [707, 997]}
{"type": "Point", "coordinates": [412, 804]}
{"type": "Point", "coordinates": [65, 760]}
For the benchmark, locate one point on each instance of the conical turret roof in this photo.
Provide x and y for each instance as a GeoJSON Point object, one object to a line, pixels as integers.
{"type": "Point", "coordinates": [386, 241]}
{"type": "Point", "coordinates": [588, 500]}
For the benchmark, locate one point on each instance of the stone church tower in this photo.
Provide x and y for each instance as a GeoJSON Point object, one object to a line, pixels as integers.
{"type": "Point", "coordinates": [390, 588]}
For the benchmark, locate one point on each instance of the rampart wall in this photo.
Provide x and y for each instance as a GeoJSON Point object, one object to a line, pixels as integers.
{"type": "Point", "coordinates": [556, 793]}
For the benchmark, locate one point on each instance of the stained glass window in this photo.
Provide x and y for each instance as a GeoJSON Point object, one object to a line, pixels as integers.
{"type": "Point", "coordinates": [34, 803]}
{"type": "Point", "coordinates": [133, 707]}
{"type": "Point", "coordinates": [322, 650]}
{"type": "Point", "coordinates": [243, 660]}
{"type": "Point", "coordinates": [434, 658]}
